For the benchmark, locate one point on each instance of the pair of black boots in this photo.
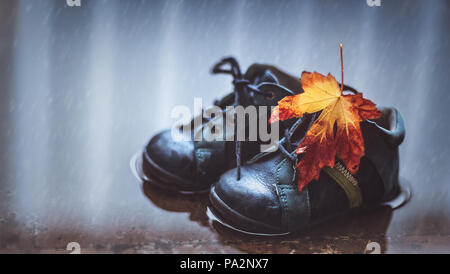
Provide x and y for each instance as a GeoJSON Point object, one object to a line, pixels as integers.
{"type": "Point", "coordinates": [261, 196]}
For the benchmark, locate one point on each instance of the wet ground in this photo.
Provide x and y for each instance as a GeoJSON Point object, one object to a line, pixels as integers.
{"type": "Point", "coordinates": [82, 90]}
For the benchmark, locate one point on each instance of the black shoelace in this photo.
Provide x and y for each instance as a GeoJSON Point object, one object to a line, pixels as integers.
{"type": "Point", "coordinates": [286, 146]}
{"type": "Point", "coordinates": [243, 90]}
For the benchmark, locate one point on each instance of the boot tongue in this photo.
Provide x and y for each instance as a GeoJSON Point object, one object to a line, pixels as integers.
{"type": "Point", "coordinates": [257, 74]}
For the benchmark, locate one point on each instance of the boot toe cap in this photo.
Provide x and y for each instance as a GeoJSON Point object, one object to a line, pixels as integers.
{"type": "Point", "coordinates": [248, 199]}
{"type": "Point", "coordinates": [173, 156]}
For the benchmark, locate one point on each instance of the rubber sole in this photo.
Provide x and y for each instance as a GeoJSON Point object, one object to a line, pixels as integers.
{"type": "Point", "coordinates": [159, 177]}
{"type": "Point", "coordinates": [220, 212]}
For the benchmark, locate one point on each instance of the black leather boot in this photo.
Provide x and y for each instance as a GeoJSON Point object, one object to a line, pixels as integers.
{"type": "Point", "coordinates": [192, 166]}
{"type": "Point", "coordinates": [266, 201]}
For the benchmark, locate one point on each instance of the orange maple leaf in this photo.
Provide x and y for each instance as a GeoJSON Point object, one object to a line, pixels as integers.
{"type": "Point", "coordinates": [325, 141]}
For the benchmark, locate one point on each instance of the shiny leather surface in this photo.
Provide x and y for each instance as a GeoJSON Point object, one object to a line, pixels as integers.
{"type": "Point", "coordinates": [254, 195]}
{"type": "Point", "coordinates": [174, 156]}
{"type": "Point", "coordinates": [202, 162]}
{"type": "Point", "coordinates": [267, 190]}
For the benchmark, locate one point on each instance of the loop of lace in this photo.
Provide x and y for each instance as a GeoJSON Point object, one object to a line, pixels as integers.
{"type": "Point", "coordinates": [242, 94]}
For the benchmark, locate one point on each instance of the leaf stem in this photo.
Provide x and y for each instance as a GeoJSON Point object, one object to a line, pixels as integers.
{"type": "Point", "coordinates": [342, 68]}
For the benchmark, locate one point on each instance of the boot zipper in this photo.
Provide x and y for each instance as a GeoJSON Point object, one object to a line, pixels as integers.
{"type": "Point", "coordinates": [347, 182]}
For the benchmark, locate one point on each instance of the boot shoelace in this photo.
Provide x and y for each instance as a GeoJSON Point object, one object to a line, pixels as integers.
{"type": "Point", "coordinates": [243, 90]}
{"type": "Point", "coordinates": [242, 95]}
{"type": "Point", "coordinates": [286, 146]}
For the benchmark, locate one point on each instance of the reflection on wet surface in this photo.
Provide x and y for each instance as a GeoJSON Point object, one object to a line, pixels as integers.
{"type": "Point", "coordinates": [350, 234]}
{"type": "Point", "coordinates": [83, 89]}
{"type": "Point", "coordinates": [194, 204]}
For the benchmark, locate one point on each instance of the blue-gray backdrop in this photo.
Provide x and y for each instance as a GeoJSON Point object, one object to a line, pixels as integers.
{"type": "Point", "coordinates": [83, 88]}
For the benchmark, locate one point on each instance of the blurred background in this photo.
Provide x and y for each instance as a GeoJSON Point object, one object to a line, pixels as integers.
{"type": "Point", "coordinates": [82, 89]}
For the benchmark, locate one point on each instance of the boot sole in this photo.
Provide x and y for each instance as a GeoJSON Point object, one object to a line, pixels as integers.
{"type": "Point", "coordinates": [220, 212]}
